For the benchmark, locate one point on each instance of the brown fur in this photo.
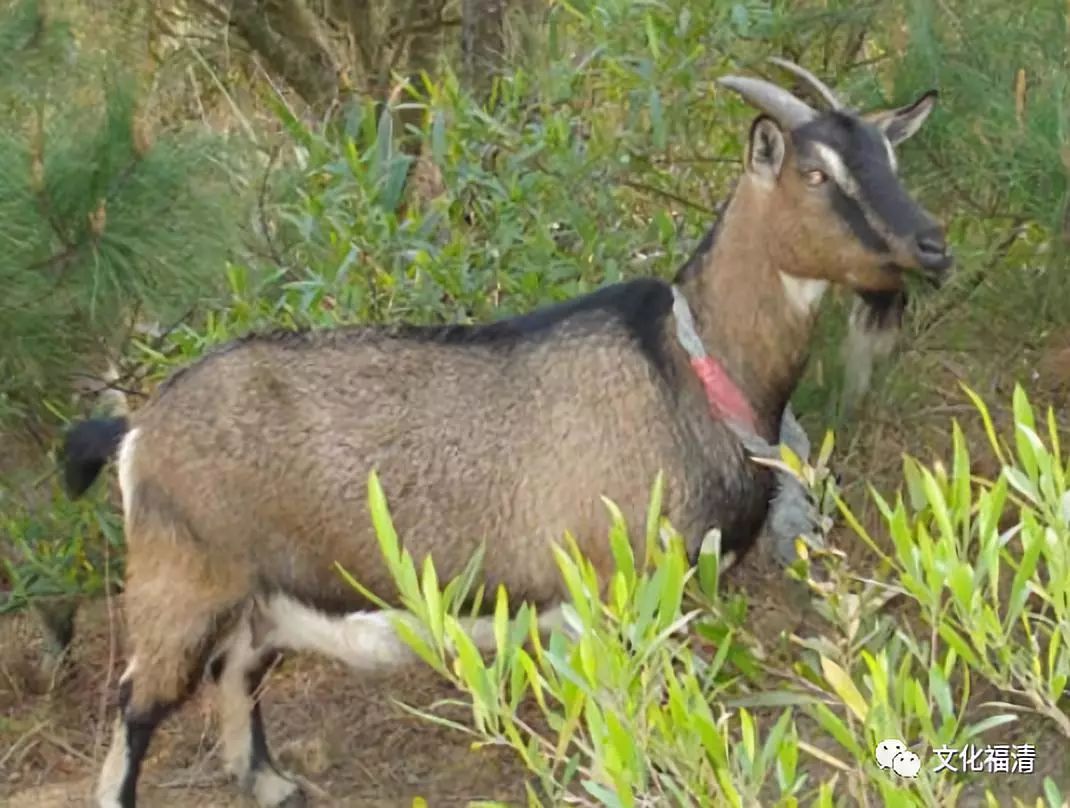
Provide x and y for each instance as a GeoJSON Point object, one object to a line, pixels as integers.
{"type": "Point", "coordinates": [469, 442]}
{"type": "Point", "coordinates": [248, 475]}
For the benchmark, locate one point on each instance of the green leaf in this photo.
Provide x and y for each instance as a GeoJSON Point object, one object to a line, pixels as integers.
{"type": "Point", "coordinates": [835, 727]}
{"type": "Point", "coordinates": [657, 119]}
{"type": "Point", "coordinates": [653, 516]}
{"type": "Point", "coordinates": [828, 444]}
{"type": "Point", "coordinates": [772, 747]}
{"type": "Point", "coordinates": [973, 730]}
{"type": "Point", "coordinates": [412, 638]}
{"type": "Point", "coordinates": [746, 732]}
{"type": "Point", "coordinates": [1052, 794]}
{"type": "Point", "coordinates": [986, 419]}
{"type": "Point", "coordinates": [912, 476]}
{"type": "Point", "coordinates": [961, 584]}
{"type": "Point", "coordinates": [960, 476]}
{"type": "Point", "coordinates": [938, 505]}
{"type": "Point", "coordinates": [623, 557]}
{"type": "Point", "coordinates": [1023, 416]}
{"type": "Point", "coordinates": [652, 37]}
{"type": "Point", "coordinates": [433, 601]}
{"type": "Point", "coordinates": [952, 638]}
{"type": "Point", "coordinates": [438, 137]}
{"type": "Point", "coordinates": [1021, 483]}
{"type": "Point", "coordinates": [603, 794]}
{"type": "Point", "coordinates": [769, 698]}
{"type": "Point", "coordinates": [940, 690]}
{"type": "Point", "coordinates": [1033, 541]}
{"type": "Point", "coordinates": [501, 621]}
{"type": "Point", "coordinates": [845, 688]}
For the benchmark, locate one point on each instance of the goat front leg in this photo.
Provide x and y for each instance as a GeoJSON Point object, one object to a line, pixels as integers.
{"type": "Point", "coordinates": [238, 673]}
{"type": "Point", "coordinates": [791, 512]}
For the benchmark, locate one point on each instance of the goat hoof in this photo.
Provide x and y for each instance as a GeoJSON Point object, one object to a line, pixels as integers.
{"type": "Point", "coordinates": [296, 800]}
{"type": "Point", "coordinates": [273, 790]}
{"type": "Point", "coordinates": [784, 551]}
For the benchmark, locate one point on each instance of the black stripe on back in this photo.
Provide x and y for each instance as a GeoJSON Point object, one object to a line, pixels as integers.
{"type": "Point", "coordinates": [640, 306]}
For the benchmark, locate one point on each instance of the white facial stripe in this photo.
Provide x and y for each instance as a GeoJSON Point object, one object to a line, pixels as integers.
{"type": "Point", "coordinates": [837, 169]}
{"type": "Point", "coordinates": [891, 153]}
{"type": "Point", "coordinates": [846, 182]}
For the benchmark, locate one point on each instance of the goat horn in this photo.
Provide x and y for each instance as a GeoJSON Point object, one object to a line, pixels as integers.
{"type": "Point", "coordinates": [774, 101]}
{"type": "Point", "coordinates": [814, 82]}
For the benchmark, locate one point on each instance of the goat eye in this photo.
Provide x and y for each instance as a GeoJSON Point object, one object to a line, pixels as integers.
{"type": "Point", "coordinates": [815, 177]}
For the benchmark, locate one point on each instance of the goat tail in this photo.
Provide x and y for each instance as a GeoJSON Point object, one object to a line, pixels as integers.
{"type": "Point", "coordinates": [86, 448]}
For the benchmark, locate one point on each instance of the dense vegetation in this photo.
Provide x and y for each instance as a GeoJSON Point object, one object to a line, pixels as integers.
{"type": "Point", "coordinates": [164, 189]}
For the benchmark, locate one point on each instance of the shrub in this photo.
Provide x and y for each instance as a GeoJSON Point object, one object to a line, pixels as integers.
{"type": "Point", "coordinates": [656, 694]}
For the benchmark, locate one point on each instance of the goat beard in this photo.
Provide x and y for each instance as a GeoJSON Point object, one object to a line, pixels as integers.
{"type": "Point", "coordinates": [873, 327]}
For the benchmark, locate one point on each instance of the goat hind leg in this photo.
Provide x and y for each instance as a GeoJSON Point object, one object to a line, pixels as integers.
{"type": "Point", "coordinates": [238, 672]}
{"type": "Point", "coordinates": [156, 681]}
{"type": "Point", "coordinates": [168, 647]}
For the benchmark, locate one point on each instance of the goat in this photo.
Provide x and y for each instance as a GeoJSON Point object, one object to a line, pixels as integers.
{"type": "Point", "coordinates": [243, 477]}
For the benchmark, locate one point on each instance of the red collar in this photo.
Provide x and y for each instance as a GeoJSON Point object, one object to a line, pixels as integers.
{"type": "Point", "coordinates": [727, 401]}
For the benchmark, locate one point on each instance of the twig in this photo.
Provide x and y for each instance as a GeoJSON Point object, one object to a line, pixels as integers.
{"type": "Point", "coordinates": [55, 740]}
{"type": "Point", "coordinates": [108, 600]}
{"type": "Point", "coordinates": [34, 730]}
{"type": "Point", "coordinates": [63, 257]}
{"type": "Point", "coordinates": [262, 211]}
{"type": "Point", "coordinates": [642, 186]}
{"type": "Point", "coordinates": [855, 45]}
{"type": "Point", "coordinates": [106, 385]}
{"type": "Point", "coordinates": [658, 159]}
{"type": "Point", "coordinates": [187, 780]}
{"type": "Point", "coordinates": [220, 15]}
{"type": "Point", "coordinates": [873, 60]}
{"type": "Point", "coordinates": [423, 28]}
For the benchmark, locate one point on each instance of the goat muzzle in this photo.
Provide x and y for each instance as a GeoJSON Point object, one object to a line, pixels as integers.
{"type": "Point", "coordinates": [932, 254]}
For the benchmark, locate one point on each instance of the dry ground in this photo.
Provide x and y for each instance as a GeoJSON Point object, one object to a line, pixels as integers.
{"type": "Point", "coordinates": [340, 731]}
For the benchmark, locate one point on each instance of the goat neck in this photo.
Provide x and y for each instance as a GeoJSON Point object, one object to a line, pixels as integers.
{"type": "Point", "coordinates": [753, 317]}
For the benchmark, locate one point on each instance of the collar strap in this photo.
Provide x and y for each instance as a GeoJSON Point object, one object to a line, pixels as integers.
{"type": "Point", "coordinates": [726, 400]}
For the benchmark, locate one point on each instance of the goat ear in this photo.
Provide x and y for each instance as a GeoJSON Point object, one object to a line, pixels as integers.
{"type": "Point", "coordinates": [902, 123]}
{"type": "Point", "coordinates": [765, 149]}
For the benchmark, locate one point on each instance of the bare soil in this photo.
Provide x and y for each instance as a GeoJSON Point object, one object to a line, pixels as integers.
{"type": "Point", "coordinates": [342, 733]}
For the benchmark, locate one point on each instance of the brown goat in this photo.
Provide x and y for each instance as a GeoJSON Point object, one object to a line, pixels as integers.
{"type": "Point", "coordinates": [244, 477]}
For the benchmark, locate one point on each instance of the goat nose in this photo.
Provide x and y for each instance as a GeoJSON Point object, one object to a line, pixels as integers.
{"type": "Point", "coordinates": [932, 250]}
{"type": "Point", "coordinates": [932, 243]}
